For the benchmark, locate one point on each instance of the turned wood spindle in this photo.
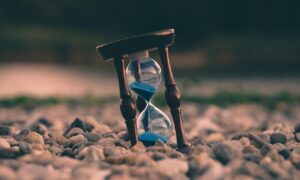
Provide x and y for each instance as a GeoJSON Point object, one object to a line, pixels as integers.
{"type": "Point", "coordinates": [127, 106]}
{"type": "Point", "coordinates": [172, 95]}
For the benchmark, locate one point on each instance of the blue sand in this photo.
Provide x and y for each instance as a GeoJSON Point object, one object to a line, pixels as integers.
{"type": "Point", "coordinates": [149, 138]}
{"type": "Point", "coordinates": [144, 90]}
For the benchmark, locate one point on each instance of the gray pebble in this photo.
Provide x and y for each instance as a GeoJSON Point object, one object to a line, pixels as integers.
{"type": "Point", "coordinates": [22, 134]}
{"type": "Point", "coordinates": [6, 130]}
{"type": "Point", "coordinates": [39, 128]}
{"type": "Point", "coordinates": [77, 123]}
{"type": "Point", "coordinates": [25, 148]}
{"type": "Point", "coordinates": [297, 128]}
{"type": "Point", "coordinates": [45, 122]}
{"type": "Point", "coordinates": [55, 150]}
{"type": "Point", "coordinates": [122, 143]}
{"type": "Point", "coordinates": [285, 153]}
{"type": "Point", "coordinates": [68, 152]}
{"type": "Point", "coordinates": [225, 153]}
{"type": "Point", "coordinates": [257, 141]}
{"type": "Point", "coordinates": [9, 154]}
{"type": "Point", "coordinates": [278, 138]}
{"type": "Point", "coordinates": [265, 149]}
{"type": "Point", "coordinates": [93, 137]}
{"type": "Point", "coordinates": [73, 132]}
{"type": "Point", "coordinates": [158, 156]}
{"type": "Point", "coordinates": [297, 137]}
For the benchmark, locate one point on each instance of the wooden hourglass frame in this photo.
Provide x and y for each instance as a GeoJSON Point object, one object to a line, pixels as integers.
{"type": "Point", "coordinates": [117, 50]}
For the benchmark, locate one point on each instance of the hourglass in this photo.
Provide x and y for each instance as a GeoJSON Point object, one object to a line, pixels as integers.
{"type": "Point", "coordinates": [143, 76]}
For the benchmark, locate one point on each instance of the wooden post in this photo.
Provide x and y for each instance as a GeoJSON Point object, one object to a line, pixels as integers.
{"type": "Point", "coordinates": [172, 95]}
{"type": "Point", "coordinates": [127, 106]}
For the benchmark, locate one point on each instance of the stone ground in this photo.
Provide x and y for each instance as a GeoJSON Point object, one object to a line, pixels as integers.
{"type": "Point", "coordinates": [244, 141]}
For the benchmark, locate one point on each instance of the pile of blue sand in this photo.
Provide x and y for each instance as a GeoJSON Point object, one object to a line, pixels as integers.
{"type": "Point", "coordinates": [149, 138]}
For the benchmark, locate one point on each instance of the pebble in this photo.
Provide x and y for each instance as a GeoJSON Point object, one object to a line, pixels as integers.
{"type": "Point", "coordinates": [25, 148]}
{"type": "Point", "coordinates": [295, 159]}
{"type": "Point", "coordinates": [22, 134]}
{"type": "Point", "coordinates": [73, 132]}
{"type": "Point", "coordinates": [92, 125]}
{"type": "Point", "coordinates": [122, 143]}
{"type": "Point", "coordinates": [58, 138]}
{"type": "Point", "coordinates": [257, 141]}
{"type": "Point", "coordinates": [55, 150]}
{"type": "Point", "coordinates": [275, 171]}
{"type": "Point", "coordinates": [6, 130]}
{"type": "Point", "coordinates": [297, 137]}
{"type": "Point", "coordinates": [68, 152]}
{"type": "Point", "coordinates": [45, 122]}
{"type": "Point", "coordinates": [245, 141]}
{"type": "Point", "coordinates": [7, 173]}
{"type": "Point", "coordinates": [33, 138]}
{"type": "Point", "coordinates": [225, 153]}
{"type": "Point", "coordinates": [250, 149]}
{"type": "Point", "coordinates": [285, 153]}
{"type": "Point", "coordinates": [39, 128]}
{"type": "Point", "coordinates": [76, 139]}
{"type": "Point", "coordinates": [265, 149]}
{"type": "Point", "coordinates": [77, 123]}
{"type": "Point", "coordinates": [123, 135]}
{"type": "Point", "coordinates": [203, 167]}
{"type": "Point", "coordinates": [252, 169]}
{"type": "Point", "coordinates": [93, 137]}
{"type": "Point", "coordinates": [107, 142]}
{"type": "Point", "coordinates": [158, 156]}
{"type": "Point", "coordinates": [32, 171]}
{"type": "Point", "coordinates": [278, 138]}
{"type": "Point", "coordinates": [214, 137]}
{"type": "Point", "coordinates": [4, 144]}
{"type": "Point", "coordinates": [91, 154]}
{"type": "Point", "coordinates": [64, 161]}
{"type": "Point", "coordinates": [9, 154]}
{"type": "Point", "coordinates": [297, 128]}
{"type": "Point", "coordinates": [256, 158]}
{"type": "Point", "coordinates": [145, 161]}
{"type": "Point", "coordinates": [172, 166]}
{"type": "Point", "coordinates": [11, 140]}
{"type": "Point", "coordinates": [92, 173]}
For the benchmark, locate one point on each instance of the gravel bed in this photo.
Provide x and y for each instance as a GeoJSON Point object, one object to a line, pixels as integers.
{"type": "Point", "coordinates": [243, 141]}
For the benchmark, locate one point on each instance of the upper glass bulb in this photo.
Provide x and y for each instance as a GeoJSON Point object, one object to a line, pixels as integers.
{"type": "Point", "coordinates": [143, 74]}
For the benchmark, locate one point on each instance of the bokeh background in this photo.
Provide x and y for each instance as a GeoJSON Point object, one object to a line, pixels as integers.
{"type": "Point", "coordinates": [48, 47]}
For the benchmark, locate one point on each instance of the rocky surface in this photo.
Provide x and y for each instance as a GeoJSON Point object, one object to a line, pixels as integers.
{"type": "Point", "coordinates": [88, 142]}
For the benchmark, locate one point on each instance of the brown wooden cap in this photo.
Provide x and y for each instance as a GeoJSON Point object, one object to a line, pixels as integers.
{"type": "Point", "coordinates": [149, 41]}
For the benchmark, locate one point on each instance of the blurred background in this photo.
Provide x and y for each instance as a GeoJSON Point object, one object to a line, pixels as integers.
{"type": "Point", "coordinates": [48, 47]}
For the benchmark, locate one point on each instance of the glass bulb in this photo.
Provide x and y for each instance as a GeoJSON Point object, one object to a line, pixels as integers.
{"type": "Point", "coordinates": [144, 76]}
